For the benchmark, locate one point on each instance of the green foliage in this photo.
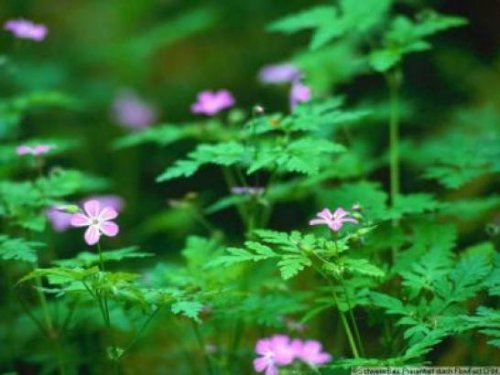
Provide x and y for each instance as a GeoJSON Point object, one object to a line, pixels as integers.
{"type": "Point", "coordinates": [306, 156]}
{"type": "Point", "coordinates": [329, 22]}
{"type": "Point", "coordinates": [19, 249]}
{"type": "Point", "coordinates": [191, 309]}
{"type": "Point", "coordinates": [162, 135]}
{"type": "Point", "coordinates": [224, 154]}
{"type": "Point", "coordinates": [87, 259]}
{"type": "Point", "coordinates": [405, 36]}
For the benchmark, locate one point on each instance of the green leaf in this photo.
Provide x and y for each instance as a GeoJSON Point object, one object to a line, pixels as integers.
{"type": "Point", "coordinates": [305, 155]}
{"type": "Point", "coordinates": [191, 309]}
{"type": "Point", "coordinates": [162, 135]}
{"type": "Point", "coordinates": [225, 154]}
{"type": "Point", "coordinates": [291, 265]}
{"type": "Point", "coordinates": [363, 267]}
{"type": "Point", "coordinates": [384, 59]}
{"type": "Point", "coordinates": [87, 259]}
{"type": "Point", "coordinates": [61, 275]}
{"type": "Point", "coordinates": [19, 249]}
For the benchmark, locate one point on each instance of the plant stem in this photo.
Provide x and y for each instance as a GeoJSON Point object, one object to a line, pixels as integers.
{"type": "Point", "coordinates": [353, 320]}
{"type": "Point", "coordinates": [343, 318]}
{"type": "Point", "coordinates": [347, 328]}
{"type": "Point", "coordinates": [103, 302]}
{"type": "Point", "coordinates": [203, 348]}
{"type": "Point", "coordinates": [394, 83]}
{"type": "Point", "coordinates": [139, 332]}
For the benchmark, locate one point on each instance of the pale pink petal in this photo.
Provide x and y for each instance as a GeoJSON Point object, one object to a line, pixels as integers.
{"type": "Point", "coordinates": [326, 214]}
{"type": "Point", "coordinates": [23, 150]}
{"type": "Point", "coordinates": [79, 220]}
{"type": "Point", "coordinates": [92, 235]}
{"type": "Point", "coordinates": [335, 225]}
{"type": "Point", "coordinates": [339, 213]}
{"type": "Point", "coordinates": [321, 358]}
{"type": "Point", "coordinates": [260, 364]}
{"type": "Point", "coordinates": [107, 213]}
{"type": "Point", "coordinates": [317, 221]}
{"type": "Point", "coordinates": [109, 228]}
{"type": "Point", "coordinates": [92, 208]}
{"type": "Point", "coordinates": [296, 346]}
{"type": "Point", "coordinates": [311, 347]}
{"type": "Point", "coordinates": [349, 220]}
{"type": "Point", "coordinates": [263, 346]}
{"type": "Point", "coordinates": [271, 370]}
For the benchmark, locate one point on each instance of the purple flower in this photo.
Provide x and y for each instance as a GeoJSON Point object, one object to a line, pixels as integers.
{"type": "Point", "coordinates": [211, 102]}
{"type": "Point", "coordinates": [97, 220]}
{"type": "Point", "coordinates": [59, 219]}
{"type": "Point", "coordinates": [274, 351]}
{"type": "Point", "coordinates": [299, 93]}
{"type": "Point", "coordinates": [25, 29]}
{"type": "Point", "coordinates": [279, 73]}
{"type": "Point", "coordinates": [132, 112]}
{"type": "Point", "coordinates": [310, 352]}
{"type": "Point", "coordinates": [334, 221]}
{"type": "Point", "coordinates": [33, 150]}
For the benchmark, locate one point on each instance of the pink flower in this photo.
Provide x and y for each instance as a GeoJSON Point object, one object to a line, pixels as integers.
{"type": "Point", "coordinates": [60, 218]}
{"type": "Point", "coordinates": [97, 220]}
{"type": "Point", "coordinates": [113, 201]}
{"type": "Point", "coordinates": [25, 29]}
{"type": "Point", "coordinates": [274, 351]}
{"type": "Point", "coordinates": [309, 351]}
{"type": "Point", "coordinates": [299, 93]}
{"type": "Point", "coordinates": [132, 112]}
{"type": "Point", "coordinates": [278, 350]}
{"type": "Point", "coordinates": [211, 102]}
{"type": "Point", "coordinates": [335, 220]}
{"type": "Point", "coordinates": [33, 150]}
{"type": "Point", "coordinates": [279, 73]}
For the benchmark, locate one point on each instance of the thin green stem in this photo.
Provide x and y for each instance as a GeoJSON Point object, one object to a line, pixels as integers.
{"type": "Point", "coordinates": [343, 318]}
{"type": "Point", "coordinates": [103, 302]}
{"type": "Point", "coordinates": [28, 312]}
{"type": "Point", "coordinates": [140, 331]}
{"type": "Point", "coordinates": [353, 320]}
{"type": "Point", "coordinates": [394, 83]}
{"type": "Point", "coordinates": [203, 347]}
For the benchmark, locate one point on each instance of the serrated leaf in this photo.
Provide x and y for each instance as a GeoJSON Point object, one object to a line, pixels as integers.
{"type": "Point", "coordinates": [86, 259]}
{"type": "Point", "coordinates": [19, 249]}
{"type": "Point", "coordinates": [225, 154]}
{"type": "Point", "coordinates": [191, 309]}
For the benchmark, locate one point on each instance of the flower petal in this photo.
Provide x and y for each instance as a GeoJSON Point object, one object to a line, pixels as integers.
{"type": "Point", "coordinates": [339, 213]}
{"type": "Point", "coordinates": [92, 235]}
{"type": "Point", "coordinates": [271, 370]}
{"type": "Point", "coordinates": [349, 220]}
{"type": "Point", "coordinates": [79, 220]}
{"type": "Point", "coordinates": [318, 221]}
{"type": "Point", "coordinates": [107, 213]}
{"type": "Point", "coordinates": [335, 225]}
{"type": "Point", "coordinates": [260, 364]}
{"type": "Point", "coordinates": [92, 208]}
{"type": "Point", "coordinates": [109, 228]}
{"type": "Point", "coordinates": [326, 214]}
